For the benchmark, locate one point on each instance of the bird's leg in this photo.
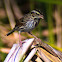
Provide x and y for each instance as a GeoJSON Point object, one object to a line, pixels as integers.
{"type": "Point", "coordinates": [20, 42]}
{"type": "Point", "coordinates": [36, 39]}
{"type": "Point", "coordinates": [32, 35]}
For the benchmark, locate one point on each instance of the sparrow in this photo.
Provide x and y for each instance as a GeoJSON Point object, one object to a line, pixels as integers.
{"type": "Point", "coordinates": [27, 23]}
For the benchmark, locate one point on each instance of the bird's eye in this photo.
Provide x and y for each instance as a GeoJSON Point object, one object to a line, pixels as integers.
{"type": "Point", "coordinates": [33, 15]}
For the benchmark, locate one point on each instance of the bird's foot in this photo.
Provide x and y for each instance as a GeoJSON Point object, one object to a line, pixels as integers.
{"type": "Point", "coordinates": [20, 43]}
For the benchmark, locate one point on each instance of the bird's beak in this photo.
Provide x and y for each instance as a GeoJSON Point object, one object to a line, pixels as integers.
{"type": "Point", "coordinates": [41, 16]}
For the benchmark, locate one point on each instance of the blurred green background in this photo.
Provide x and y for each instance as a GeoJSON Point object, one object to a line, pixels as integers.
{"type": "Point", "coordinates": [49, 29]}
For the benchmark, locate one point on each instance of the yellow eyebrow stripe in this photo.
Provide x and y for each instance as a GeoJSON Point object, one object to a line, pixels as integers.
{"type": "Point", "coordinates": [36, 12]}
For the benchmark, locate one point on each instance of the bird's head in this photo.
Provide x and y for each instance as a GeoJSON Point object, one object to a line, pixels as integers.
{"type": "Point", "coordinates": [36, 14]}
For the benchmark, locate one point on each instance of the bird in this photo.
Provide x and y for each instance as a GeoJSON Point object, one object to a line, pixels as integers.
{"type": "Point", "coordinates": [27, 23]}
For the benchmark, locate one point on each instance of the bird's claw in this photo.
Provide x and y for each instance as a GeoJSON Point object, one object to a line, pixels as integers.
{"type": "Point", "coordinates": [20, 43]}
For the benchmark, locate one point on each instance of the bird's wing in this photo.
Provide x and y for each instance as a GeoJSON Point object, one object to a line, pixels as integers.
{"type": "Point", "coordinates": [22, 21]}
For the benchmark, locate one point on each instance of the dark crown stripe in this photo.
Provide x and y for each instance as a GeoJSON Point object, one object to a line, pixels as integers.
{"type": "Point", "coordinates": [38, 11]}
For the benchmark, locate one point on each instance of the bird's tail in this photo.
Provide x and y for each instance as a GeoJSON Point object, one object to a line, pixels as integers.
{"type": "Point", "coordinates": [14, 29]}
